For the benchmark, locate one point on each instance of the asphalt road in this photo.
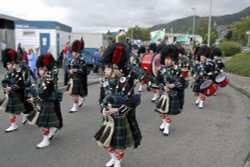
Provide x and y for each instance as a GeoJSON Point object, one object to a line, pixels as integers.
{"type": "Point", "coordinates": [216, 136]}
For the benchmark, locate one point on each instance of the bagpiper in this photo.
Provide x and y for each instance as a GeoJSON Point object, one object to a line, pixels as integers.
{"type": "Point", "coordinates": [13, 86]}
{"type": "Point", "coordinates": [170, 85]}
{"type": "Point", "coordinates": [46, 99]}
{"type": "Point", "coordinates": [77, 70]}
{"type": "Point", "coordinates": [119, 128]}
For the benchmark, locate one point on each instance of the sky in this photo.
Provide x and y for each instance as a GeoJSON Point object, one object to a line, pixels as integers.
{"type": "Point", "coordinates": [103, 15]}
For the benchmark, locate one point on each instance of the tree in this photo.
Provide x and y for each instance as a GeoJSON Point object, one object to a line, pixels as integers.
{"type": "Point", "coordinates": [138, 33]}
{"type": "Point", "coordinates": [240, 29]}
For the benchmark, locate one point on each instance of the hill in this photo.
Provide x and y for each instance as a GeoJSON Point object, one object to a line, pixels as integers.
{"type": "Point", "coordinates": [183, 24]}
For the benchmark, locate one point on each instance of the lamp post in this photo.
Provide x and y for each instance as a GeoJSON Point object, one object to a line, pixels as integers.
{"type": "Point", "coordinates": [193, 30]}
{"type": "Point", "coordinates": [209, 25]}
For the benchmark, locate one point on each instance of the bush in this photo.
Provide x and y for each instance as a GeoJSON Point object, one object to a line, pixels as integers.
{"type": "Point", "coordinates": [239, 64]}
{"type": "Point", "coordinates": [230, 48]}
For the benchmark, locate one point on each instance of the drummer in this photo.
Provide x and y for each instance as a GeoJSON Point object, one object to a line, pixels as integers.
{"type": "Point", "coordinates": [153, 49]}
{"type": "Point", "coordinates": [202, 71]}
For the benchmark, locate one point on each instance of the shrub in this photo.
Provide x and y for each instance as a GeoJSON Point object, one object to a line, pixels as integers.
{"type": "Point", "coordinates": [230, 48]}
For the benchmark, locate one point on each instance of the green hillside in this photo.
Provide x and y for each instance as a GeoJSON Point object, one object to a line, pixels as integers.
{"type": "Point", "coordinates": [183, 24]}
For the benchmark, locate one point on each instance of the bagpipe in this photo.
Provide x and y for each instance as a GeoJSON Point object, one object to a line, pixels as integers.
{"type": "Point", "coordinates": [35, 89]}
{"type": "Point", "coordinates": [117, 99]}
{"type": "Point", "coordinates": [8, 82]}
{"type": "Point", "coordinates": [162, 105]}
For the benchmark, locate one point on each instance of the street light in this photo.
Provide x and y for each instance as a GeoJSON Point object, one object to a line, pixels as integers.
{"type": "Point", "coordinates": [209, 25]}
{"type": "Point", "coordinates": [193, 30]}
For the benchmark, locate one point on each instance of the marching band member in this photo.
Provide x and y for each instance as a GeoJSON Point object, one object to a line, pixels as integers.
{"type": "Point", "coordinates": [169, 82]}
{"type": "Point", "coordinates": [184, 64]}
{"type": "Point", "coordinates": [45, 96]}
{"type": "Point", "coordinates": [153, 49]}
{"type": "Point", "coordinates": [13, 86]}
{"type": "Point", "coordinates": [219, 65]}
{"type": "Point", "coordinates": [118, 103]}
{"type": "Point", "coordinates": [77, 70]}
{"type": "Point", "coordinates": [202, 71]}
{"type": "Point", "coordinates": [140, 53]}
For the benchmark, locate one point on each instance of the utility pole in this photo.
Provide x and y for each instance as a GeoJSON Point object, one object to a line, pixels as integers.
{"type": "Point", "coordinates": [209, 25]}
{"type": "Point", "coordinates": [193, 30]}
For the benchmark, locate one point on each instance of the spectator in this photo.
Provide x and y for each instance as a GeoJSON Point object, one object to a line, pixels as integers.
{"type": "Point", "coordinates": [66, 57]}
{"type": "Point", "coordinates": [97, 61]}
{"type": "Point", "coordinates": [32, 61]}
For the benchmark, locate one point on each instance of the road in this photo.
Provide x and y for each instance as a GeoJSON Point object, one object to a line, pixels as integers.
{"type": "Point", "coordinates": [216, 136]}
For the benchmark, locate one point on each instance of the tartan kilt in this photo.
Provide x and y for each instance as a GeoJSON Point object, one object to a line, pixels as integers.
{"type": "Point", "coordinates": [181, 95]}
{"type": "Point", "coordinates": [15, 104]}
{"type": "Point", "coordinates": [122, 136]}
{"type": "Point", "coordinates": [48, 117]}
{"type": "Point", "coordinates": [77, 87]}
{"type": "Point", "coordinates": [197, 84]}
{"type": "Point", "coordinates": [136, 132]}
{"type": "Point", "coordinates": [174, 105]}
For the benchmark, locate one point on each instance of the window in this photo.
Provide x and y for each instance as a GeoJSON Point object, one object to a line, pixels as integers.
{"type": "Point", "coordinates": [29, 33]}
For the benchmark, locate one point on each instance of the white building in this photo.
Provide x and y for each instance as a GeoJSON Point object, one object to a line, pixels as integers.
{"type": "Point", "coordinates": [44, 34]}
{"type": "Point", "coordinates": [91, 40]}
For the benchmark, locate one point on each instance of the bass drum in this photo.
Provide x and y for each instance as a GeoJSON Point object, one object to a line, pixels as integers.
{"type": "Point", "coordinates": [151, 63]}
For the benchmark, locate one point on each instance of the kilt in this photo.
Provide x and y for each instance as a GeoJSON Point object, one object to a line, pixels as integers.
{"type": "Point", "coordinates": [78, 88]}
{"type": "Point", "coordinates": [174, 105]}
{"type": "Point", "coordinates": [48, 117]}
{"type": "Point", "coordinates": [197, 84]}
{"type": "Point", "coordinates": [134, 128]}
{"type": "Point", "coordinates": [122, 136]}
{"type": "Point", "coordinates": [181, 95]}
{"type": "Point", "coordinates": [15, 104]}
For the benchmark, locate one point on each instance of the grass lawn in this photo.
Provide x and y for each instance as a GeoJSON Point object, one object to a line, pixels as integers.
{"type": "Point", "coordinates": [239, 64]}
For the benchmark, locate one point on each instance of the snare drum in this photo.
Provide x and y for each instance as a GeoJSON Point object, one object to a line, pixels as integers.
{"type": "Point", "coordinates": [221, 80]}
{"type": "Point", "coordinates": [208, 87]}
{"type": "Point", "coordinates": [151, 63]}
{"type": "Point", "coordinates": [185, 72]}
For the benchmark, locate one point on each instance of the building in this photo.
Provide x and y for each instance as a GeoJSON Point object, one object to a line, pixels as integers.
{"type": "Point", "coordinates": [7, 30]}
{"type": "Point", "coordinates": [92, 40]}
{"type": "Point", "coordinates": [47, 35]}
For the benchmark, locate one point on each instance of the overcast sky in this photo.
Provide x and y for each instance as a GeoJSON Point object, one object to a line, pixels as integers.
{"type": "Point", "coordinates": [104, 15]}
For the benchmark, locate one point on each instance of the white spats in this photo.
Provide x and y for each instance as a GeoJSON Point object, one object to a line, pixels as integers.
{"type": "Point", "coordinates": [44, 143]}
{"type": "Point", "coordinates": [52, 132]}
{"type": "Point", "coordinates": [111, 162]}
{"type": "Point", "coordinates": [162, 126]}
{"type": "Point", "coordinates": [166, 129]}
{"type": "Point", "coordinates": [81, 101]}
{"type": "Point", "coordinates": [74, 108]}
{"type": "Point", "coordinates": [13, 127]}
{"type": "Point", "coordinates": [197, 101]}
{"type": "Point", "coordinates": [201, 104]}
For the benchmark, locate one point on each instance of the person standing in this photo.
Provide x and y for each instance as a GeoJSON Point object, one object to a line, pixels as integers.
{"type": "Point", "coordinates": [170, 84]}
{"type": "Point", "coordinates": [32, 61]}
{"type": "Point", "coordinates": [118, 104]}
{"type": "Point", "coordinates": [202, 71]}
{"type": "Point", "coordinates": [44, 94]}
{"type": "Point", "coordinates": [13, 86]}
{"type": "Point", "coordinates": [77, 86]}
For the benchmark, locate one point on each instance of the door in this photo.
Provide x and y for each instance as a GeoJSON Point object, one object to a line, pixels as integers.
{"type": "Point", "coordinates": [57, 44]}
{"type": "Point", "coordinates": [44, 42]}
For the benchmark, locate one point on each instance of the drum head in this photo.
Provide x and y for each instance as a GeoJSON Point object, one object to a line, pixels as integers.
{"type": "Point", "coordinates": [220, 78]}
{"type": "Point", "coordinates": [206, 84]}
{"type": "Point", "coordinates": [156, 63]}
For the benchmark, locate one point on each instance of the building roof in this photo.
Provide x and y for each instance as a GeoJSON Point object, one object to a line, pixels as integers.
{"type": "Point", "coordinates": [6, 17]}
{"type": "Point", "coordinates": [24, 24]}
